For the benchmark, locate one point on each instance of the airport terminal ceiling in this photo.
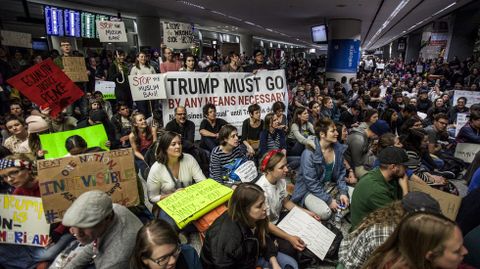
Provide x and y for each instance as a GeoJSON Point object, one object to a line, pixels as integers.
{"type": "Point", "coordinates": [289, 21]}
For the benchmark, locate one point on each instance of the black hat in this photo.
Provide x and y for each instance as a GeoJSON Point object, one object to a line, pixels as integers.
{"type": "Point", "coordinates": [394, 155]}
{"type": "Point", "coordinates": [419, 201]}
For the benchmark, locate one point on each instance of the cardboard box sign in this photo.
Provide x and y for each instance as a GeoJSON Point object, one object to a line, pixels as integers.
{"type": "Point", "coordinates": [449, 203]}
{"type": "Point", "coordinates": [75, 68]}
{"type": "Point", "coordinates": [63, 180]}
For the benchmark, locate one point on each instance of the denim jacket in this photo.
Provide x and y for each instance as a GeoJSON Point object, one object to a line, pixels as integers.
{"type": "Point", "coordinates": [312, 173]}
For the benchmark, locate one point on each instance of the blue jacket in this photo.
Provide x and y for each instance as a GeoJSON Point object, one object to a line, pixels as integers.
{"type": "Point", "coordinates": [468, 134]}
{"type": "Point", "coordinates": [264, 134]}
{"type": "Point", "coordinates": [311, 174]}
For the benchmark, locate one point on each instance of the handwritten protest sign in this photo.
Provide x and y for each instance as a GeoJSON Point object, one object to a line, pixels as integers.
{"type": "Point", "coordinates": [16, 39]}
{"type": "Point", "coordinates": [75, 68]}
{"type": "Point", "coordinates": [449, 203]}
{"type": "Point", "coordinates": [147, 87]}
{"type": "Point", "coordinates": [178, 35]}
{"type": "Point", "coordinates": [23, 221]}
{"type": "Point", "coordinates": [54, 143]}
{"type": "Point", "coordinates": [63, 180]}
{"type": "Point", "coordinates": [472, 97]}
{"type": "Point", "coordinates": [247, 171]}
{"type": "Point", "coordinates": [317, 237]}
{"type": "Point", "coordinates": [46, 85]}
{"type": "Point", "coordinates": [230, 92]}
{"type": "Point", "coordinates": [462, 119]}
{"type": "Point", "coordinates": [466, 151]}
{"type": "Point", "coordinates": [107, 88]}
{"type": "Point", "coordinates": [195, 201]}
{"type": "Point", "coordinates": [111, 31]}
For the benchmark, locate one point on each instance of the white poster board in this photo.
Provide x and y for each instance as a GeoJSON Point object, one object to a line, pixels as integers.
{"type": "Point", "coordinates": [16, 39]}
{"type": "Point", "coordinates": [230, 92]}
{"type": "Point", "coordinates": [462, 119]}
{"type": "Point", "coordinates": [107, 88]}
{"type": "Point", "coordinates": [147, 87]}
{"type": "Point", "coordinates": [111, 31]}
{"type": "Point", "coordinates": [177, 35]}
{"type": "Point", "coordinates": [466, 151]}
{"type": "Point", "coordinates": [472, 97]}
{"type": "Point", "coordinates": [23, 221]}
{"type": "Point", "coordinates": [317, 237]}
{"type": "Point", "coordinates": [247, 171]}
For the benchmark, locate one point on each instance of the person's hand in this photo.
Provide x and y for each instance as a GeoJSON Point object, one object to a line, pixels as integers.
{"type": "Point", "coordinates": [124, 139]}
{"type": "Point", "coordinates": [344, 200]}
{"type": "Point", "coordinates": [333, 205]}
{"type": "Point", "coordinates": [297, 243]}
{"type": "Point", "coordinates": [439, 180]}
{"type": "Point", "coordinates": [284, 151]}
{"type": "Point", "coordinates": [41, 153]}
{"type": "Point", "coordinates": [403, 182]}
{"type": "Point", "coordinates": [45, 110]}
{"type": "Point", "coordinates": [250, 151]}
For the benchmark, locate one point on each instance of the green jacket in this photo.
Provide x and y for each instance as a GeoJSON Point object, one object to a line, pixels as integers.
{"type": "Point", "coordinates": [372, 192]}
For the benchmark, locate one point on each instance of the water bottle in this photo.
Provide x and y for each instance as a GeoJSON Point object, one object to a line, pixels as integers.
{"type": "Point", "coordinates": [339, 216]}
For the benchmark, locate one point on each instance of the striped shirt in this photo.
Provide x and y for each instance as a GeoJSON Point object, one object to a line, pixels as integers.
{"type": "Point", "coordinates": [273, 141]}
{"type": "Point", "coordinates": [218, 159]}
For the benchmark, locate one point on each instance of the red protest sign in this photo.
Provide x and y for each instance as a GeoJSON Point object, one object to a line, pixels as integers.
{"type": "Point", "coordinates": [46, 85]}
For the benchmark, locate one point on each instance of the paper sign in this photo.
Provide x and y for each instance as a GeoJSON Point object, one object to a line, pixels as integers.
{"type": "Point", "coordinates": [147, 87]}
{"type": "Point", "coordinates": [195, 201]}
{"type": "Point", "coordinates": [247, 171]}
{"type": "Point", "coordinates": [111, 31]}
{"type": "Point", "coordinates": [462, 119]}
{"type": "Point", "coordinates": [16, 39]}
{"type": "Point", "coordinates": [63, 180]}
{"type": "Point", "coordinates": [419, 69]}
{"type": "Point", "coordinates": [449, 203]}
{"type": "Point", "coordinates": [472, 97]}
{"type": "Point", "coordinates": [107, 88]}
{"type": "Point", "coordinates": [422, 115]}
{"type": "Point", "coordinates": [380, 66]}
{"type": "Point", "coordinates": [54, 143]}
{"type": "Point", "coordinates": [46, 85]}
{"type": "Point", "coordinates": [23, 221]}
{"type": "Point", "coordinates": [317, 237]}
{"type": "Point", "coordinates": [178, 35]}
{"type": "Point", "coordinates": [75, 68]}
{"type": "Point", "coordinates": [466, 151]}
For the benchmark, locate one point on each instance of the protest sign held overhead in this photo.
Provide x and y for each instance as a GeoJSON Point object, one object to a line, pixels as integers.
{"type": "Point", "coordinates": [177, 35]}
{"type": "Point", "coordinates": [63, 180]}
{"type": "Point", "coordinates": [54, 143]}
{"type": "Point", "coordinates": [75, 68]}
{"type": "Point", "coordinates": [16, 39]}
{"type": "Point", "coordinates": [231, 93]}
{"type": "Point", "coordinates": [46, 85]}
{"type": "Point", "coordinates": [195, 201]}
{"type": "Point", "coordinates": [23, 221]}
{"type": "Point", "coordinates": [111, 31]}
{"type": "Point", "coordinates": [107, 88]}
{"type": "Point", "coordinates": [147, 87]}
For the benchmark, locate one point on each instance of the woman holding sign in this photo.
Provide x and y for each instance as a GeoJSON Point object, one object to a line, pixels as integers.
{"type": "Point", "coordinates": [142, 67]}
{"type": "Point", "coordinates": [239, 237]}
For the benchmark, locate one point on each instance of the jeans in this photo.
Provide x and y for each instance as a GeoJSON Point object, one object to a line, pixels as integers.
{"type": "Point", "coordinates": [20, 256]}
{"type": "Point", "coordinates": [52, 251]}
{"type": "Point", "coordinates": [285, 261]}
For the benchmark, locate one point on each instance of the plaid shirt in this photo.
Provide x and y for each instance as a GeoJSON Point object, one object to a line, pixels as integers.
{"type": "Point", "coordinates": [355, 251]}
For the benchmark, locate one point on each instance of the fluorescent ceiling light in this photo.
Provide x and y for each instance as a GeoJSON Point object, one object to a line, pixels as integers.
{"type": "Point", "coordinates": [191, 4]}
{"type": "Point", "coordinates": [249, 23]}
{"type": "Point", "coordinates": [218, 12]}
{"type": "Point", "coordinates": [443, 9]}
{"type": "Point", "coordinates": [389, 19]}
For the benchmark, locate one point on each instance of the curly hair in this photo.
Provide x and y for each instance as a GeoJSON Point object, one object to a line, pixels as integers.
{"type": "Point", "coordinates": [390, 214]}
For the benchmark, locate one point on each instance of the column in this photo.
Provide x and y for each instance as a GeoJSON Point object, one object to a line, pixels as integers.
{"type": "Point", "coordinates": [149, 32]}
{"type": "Point", "coordinates": [246, 44]}
{"type": "Point", "coordinates": [343, 48]}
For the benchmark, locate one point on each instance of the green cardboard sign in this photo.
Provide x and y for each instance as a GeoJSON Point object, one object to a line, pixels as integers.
{"type": "Point", "coordinates": [54, 144]}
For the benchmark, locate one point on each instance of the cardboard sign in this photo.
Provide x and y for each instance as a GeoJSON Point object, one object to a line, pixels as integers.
{"type": "Point", "coordinates": [107, 88]}
{"type": "Point", "coordinates": [462, 119]}
{"type": "Point", "coordinates": [63, 180]}
{"type": "Point", "coordinates": [23, 221]}
{"type": "Point", "coordinates": [178, 35]}
{"type": "Point", "coordinates": [466, 151]}
{"type": "Point", "coordinates": [46, 85]}
{"type": "Point", "coordinates": [195, 201]}
{"type": "Point", "coordinates": [147, 87]}
{"type": "Point", "coordinates": [54, 143]}
{"type": "Point", "coordinates": [472, 97]}
{"type": "Point", "coordinates": [449, 203]}
{"type": "Point", "coordinates": [232, 93]}
{"type": "Point", "coordinates": [111, 31]}
{"type": "Point", "coordinates": [16, 39]}
{"type": "Point", "coordinates": [75, 68]}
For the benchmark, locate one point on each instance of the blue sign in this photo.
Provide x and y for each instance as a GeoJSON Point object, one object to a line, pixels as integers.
{"type": "Point", "coordinates": [72, 23]}
{"type": "Point", "coordinates": [343, 55]}
{"type": "Point", "coordinates": [53, 21]}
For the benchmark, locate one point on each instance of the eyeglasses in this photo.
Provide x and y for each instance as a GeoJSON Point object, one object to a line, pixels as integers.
{"type": "Point", "coordinates": [11, 174]}
{"type": "Point", "coordinates": [162, 261]}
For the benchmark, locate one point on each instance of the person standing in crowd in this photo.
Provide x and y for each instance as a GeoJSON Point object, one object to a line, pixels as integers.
{"type": "Point", "coordinates": [258, 64]}
{"type": "Point", "coordinates": [240, 238]}
{"type": "Point", "coordinates": [118, 73]}
{"type": "Point", "coordinates": [142, 67]}
{"type": "Point", "coordinates": [170, 63]}
{"type": "Point", "coordinates": [157, 247]}
{"type": "Point", "coordinates": [190, 64]}
{"type": "Point", "coordinates": [16, 110]}
{"type": "Point", "coordinates": [438, 244]}
{"type": "Point", "coordinates": [95, 73]}
{"type": "Point", "coordinates": [251, 129]}
{"type": "Point", "coordinates": [233, 64]}
{"type": "Point", "coordinates": [320, 170]}
{"type": "Point", "coordinates": [209, 127]}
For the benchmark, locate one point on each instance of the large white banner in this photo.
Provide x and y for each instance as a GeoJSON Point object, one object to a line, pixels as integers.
{"type": "Point", "coordinates": [177, 35]}
{"type": "Point", "coordinates": [231, 93]}
{"type": "Point", "coordinates": [111, 31]}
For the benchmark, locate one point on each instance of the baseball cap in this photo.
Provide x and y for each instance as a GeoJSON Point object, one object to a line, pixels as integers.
{"type": "Point", "coordinates": [88, 210]}
{"type": "Point", "coordinates": [419, 201]}
{"type": "Point", "coordinates": [394, 155]}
